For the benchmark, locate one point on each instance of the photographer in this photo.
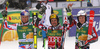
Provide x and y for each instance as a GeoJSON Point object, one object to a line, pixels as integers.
{"type": "Point", "coordinates": [45, 10]}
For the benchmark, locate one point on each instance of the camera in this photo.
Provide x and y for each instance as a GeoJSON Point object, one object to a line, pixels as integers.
{"type": "Point", "coordinates": [4, 13]}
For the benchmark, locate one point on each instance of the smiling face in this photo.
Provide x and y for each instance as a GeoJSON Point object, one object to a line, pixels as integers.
{"type": "Point", "coordinates": [54, 22]}
{"type": "Point", "coordinates": [24, 19]}
{"type": "Point", "coordinates": [82, 19]}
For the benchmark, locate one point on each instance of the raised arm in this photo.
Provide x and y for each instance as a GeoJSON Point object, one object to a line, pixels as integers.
{"type": "Point", "coordinates": [9, 27]}
{"type": "Point", "coordinates": [70, 16]}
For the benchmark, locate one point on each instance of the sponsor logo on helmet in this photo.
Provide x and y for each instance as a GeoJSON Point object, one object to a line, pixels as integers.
{"type": "Point", "coordinates": [53, 16]}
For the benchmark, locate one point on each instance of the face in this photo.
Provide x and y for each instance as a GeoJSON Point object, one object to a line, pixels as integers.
{"type": "Point", "coordinates": [81, 19]}
{"type": "Point", "coordinates": [24, 19]}
{"type": "Point", "coordinates": [54, 22]}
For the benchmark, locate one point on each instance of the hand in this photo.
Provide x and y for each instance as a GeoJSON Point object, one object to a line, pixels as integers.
{"type": "Point", "coordinates": [83, 44]}
{"type": "Point", "coordinates": [89, 37]}
{"type": "Point", "coordinates": [70, 4]}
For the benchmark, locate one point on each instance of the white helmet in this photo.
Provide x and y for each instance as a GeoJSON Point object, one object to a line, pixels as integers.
{"type": "Point", "coordinates": [25, 13]}
{"type": "Point", "coordinates": [81, 12]}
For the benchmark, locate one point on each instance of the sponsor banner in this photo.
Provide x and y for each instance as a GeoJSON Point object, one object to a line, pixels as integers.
{"type": "Point", "coordinates": [96, 24]}
{"type": "Point", "coordinates": [14, 17]}
{"type": "Point", "coordinates": [75, 11]}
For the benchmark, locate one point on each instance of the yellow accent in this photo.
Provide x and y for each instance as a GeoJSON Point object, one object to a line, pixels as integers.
{"type": "Point", "coordinates": [34, 13]}
{"type": "Point", "coordinates": [34, 27]}
{"type": "Point", "coordinates": [71, 0]}
{"type": "Point", "coordinates": [0, 25]}
{"type": "Point", "coordinates": [40, 32]}
{"type": "Point", "coordinates": [24, 27]}
{"type": "Point", "coordinates": [29, 36]}
{"type": "Point", "coordinates": [83, 31]}
{"type": "Point", "coordinates": [10, 35]}
{"type": "Point", "coordinates": [81, 28]}
{"type": "Point", "coordinates": [53, 16]}
{"type": "Point", "coordinates": [54, 31]}
{"type": "Point", "coordinates": [14, 18]}
{"type": "Point", "coordinates": [56, 12]}
{"type": "Point", "coordinates": [83, 37]}
{"type": "Point", "coordinates": [35, 41]}
{"type": "Point", "coordinates": [7, 4]}
{"type": "Point", "coordinates": [69, 13]}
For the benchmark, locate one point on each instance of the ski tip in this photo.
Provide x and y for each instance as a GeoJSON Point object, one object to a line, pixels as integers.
{"type": "Point", "coordinates": [92, 11]}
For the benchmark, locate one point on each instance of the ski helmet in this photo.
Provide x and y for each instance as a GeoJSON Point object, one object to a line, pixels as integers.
{"type": "Point", "coordinates": [81, 13]}
{"type": "Point", "coordinates": [54, 16]}
{"type": "Point", "coordinates": [25, 13]}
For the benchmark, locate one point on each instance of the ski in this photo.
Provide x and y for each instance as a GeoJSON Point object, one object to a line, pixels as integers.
{"type": "Point", "coordinates": [91, 19]}
{"type": "Point", "coordinates": [34, 17]}
{"type": "Point", "coordinates": [65, 19]}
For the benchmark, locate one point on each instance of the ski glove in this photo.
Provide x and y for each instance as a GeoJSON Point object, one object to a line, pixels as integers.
{"type": "Point", "coordinates": [83, 44]}
{"type": "Point", "coordinates": [70, 19]}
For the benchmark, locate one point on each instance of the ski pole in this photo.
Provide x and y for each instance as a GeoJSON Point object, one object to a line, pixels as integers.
{"type": "Point", "coordinates": [1, 33]}
{"type": "Point", "coordinates": [34, 17]}
{"type": "Point", "coordinates": [55, 43]}
{"type": "Point", "coordinates": [44, 43]}
{"type": "Point", "coordinates": [4, 14]}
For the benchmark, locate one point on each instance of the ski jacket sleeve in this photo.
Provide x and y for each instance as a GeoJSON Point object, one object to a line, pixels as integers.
{"type": "Point", "coordinates": [9, 27]}
{"type": "Point", "coordinates": [41, 26]}
{"type": "Point", "coordinates": [70, 25]}
{"type": "Point", "coordinates": [95, 36]}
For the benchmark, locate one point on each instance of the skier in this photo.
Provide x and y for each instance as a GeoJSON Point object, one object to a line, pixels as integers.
{"type": "Point", "coordinates": [45, 10]}
{"type": "Point", "coordinates": [82, 40]}
{"type": "Point", "coordinates": [54, 32]}
{"type": "Point", "coordinates": [24, 30]}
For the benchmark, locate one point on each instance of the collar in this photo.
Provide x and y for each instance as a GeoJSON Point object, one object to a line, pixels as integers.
{"type": "Point", "coordinates": [82, 25]}
{"type": "Point", "coordinates": [57, 27]}
{"type": "Point", "coordinates": [25, 24]}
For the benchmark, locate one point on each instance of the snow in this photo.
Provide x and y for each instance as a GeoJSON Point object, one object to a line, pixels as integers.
{"type": "Point", "coordinates": [69, 44]}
